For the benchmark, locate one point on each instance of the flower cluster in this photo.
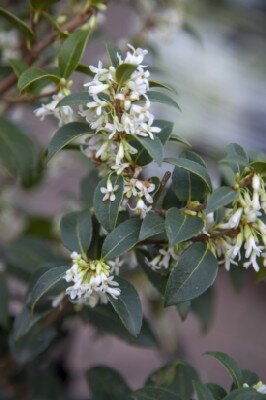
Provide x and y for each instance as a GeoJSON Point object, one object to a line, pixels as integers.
{"type": "Point", "coordinates": [245, 222]}
{"type": "Point", "coordinates": [116, 111]}
{"type": "Point", "coordinates": [92, 280]}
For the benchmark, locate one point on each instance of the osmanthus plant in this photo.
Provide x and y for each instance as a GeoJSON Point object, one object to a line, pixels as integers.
{"type": "Point", "coordinates": [175, 227]}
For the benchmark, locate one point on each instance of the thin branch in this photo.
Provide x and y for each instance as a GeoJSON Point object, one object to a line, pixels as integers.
{"type": "Point", "coordinates": [160, 191]}
{"type": "Point", "coordinates": [37, 49]}
{"type": "Point", "coordinates": [26, 99]}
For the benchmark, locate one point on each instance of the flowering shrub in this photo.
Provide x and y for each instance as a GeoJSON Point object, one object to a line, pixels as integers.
{"type": "Point", "coordinates": [175, 227]}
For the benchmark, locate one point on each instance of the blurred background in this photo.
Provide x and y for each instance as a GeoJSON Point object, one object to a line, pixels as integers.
{"type": "Point", "coordinates": [214, 53]}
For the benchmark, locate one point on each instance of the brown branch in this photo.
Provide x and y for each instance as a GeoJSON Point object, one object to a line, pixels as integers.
{"type": "Point", "coordinates": [26, 99]}
{"type": "Point", "coordinates": [163, 183]}
{"type": "Point", "coordinates": [37, 49]}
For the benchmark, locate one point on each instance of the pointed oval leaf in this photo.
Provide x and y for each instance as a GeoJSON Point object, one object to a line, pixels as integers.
{"type": "Point", "coordinates": [166, 129]}
{"type": "Point", "coordinates": [72, 51]}
{"type": "Point", "coordinates": [193, 274]}
{"type": "Point", "coordinates": [107, 211]}
{"type": "Point", "coordinates": [202, 391]}
{"type": "Point", "coordinates": [124, 72]}
{"type": "Point", "coordinates": [153, 146]}
{"type": "Point", "coordinates": [159, 97]}
{"type": "Point", "coordinates": [152, 225]}
{"type": "Point", "coordinates": [181, 227]}
{"type": "Point", "coordinates": [153, 84]}
{"type": "Point", "coordinates": [152, 393]}
{"type": "Point", "coordinates": [230, 364]}
{"type": "Point", "coordinates": [65, 135]}
{"type": "Point", "coordinates": [121, 239]}
{"type": "Point", "coordinates": [45, 283]}
{"type": "Point", "coordinates": [221, 197]}
{"type": "Point", "coordinates": [76, 231]}
{"type": "Point", "coordinates": [17, 23]}
{"type": "Point", "coordinates": [193, 167]}
{"type": "Point", "coordinates": [34, 74]}
{"type": "Point", "coordinates": [128, 306]}
{"type": "Point", "coordinates": [106, 383]}
{"type": "Point", "coordinates": [75, 99]}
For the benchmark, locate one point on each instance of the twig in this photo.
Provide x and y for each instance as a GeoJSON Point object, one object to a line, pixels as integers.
{"type": "Point", "coordinates": [25, 99]}
{"type": "Point", "coordinates": [36, 50]}
{"type": "Point", "coordinates": [163, 183]}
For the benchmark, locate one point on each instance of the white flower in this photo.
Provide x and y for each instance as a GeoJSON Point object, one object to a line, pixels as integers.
{"type": "Point", "coordinates": [163, 259]}
{"type": "Point", "coordinates": [233, 220]}
{"type": "Point", "coordinates": [92, 282]}
{"type": "Point", "coordinates": [136, 56]}
{"type": "Point", "coordinates": [259, 387]}
{"type": "Point", "coordinates": [141, 208]}
{"type": "Point", "coordinates": [64, 114]}
{"type": "Point", "coordinates": [109, 191]}
{"type": "Point", "coordinates": [115, 265]}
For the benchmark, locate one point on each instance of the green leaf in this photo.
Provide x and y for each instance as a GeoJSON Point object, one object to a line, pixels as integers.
{"type": "Point", "coordinates": [18, 153]}
{"type": "Point", "coordinates": [152, 225]}
{"type": "Point", "coordinates": [107, 211]}
{"type": "Point", "coordinates": [65, 135]}
{"type": "Point", "coordinates": [193, 274]}
{"type": "Point", "coordinates": [128, 306]}
{"type": "Point", "coordinates": [157, 279]}
{"type": "Point", "coordinates": [4, 316]}
{"type": "Point", "coordinates": [161, 85]}
{"type": "Point", "coordinates": [28, 252]}
{"type": "Point", "coordinates": [221, 197]}
{"type": "Point", "coordinates": [38, 5]}
{"type": "Point", "coordinates": [230, 365]}
{"type": "Point", "coordinates": [107, 384]}
{"type": "Point", "coordinates": [124, 72]}
{"type": "Point", "coordinates": [153, 146]}
{"type": "Point", "coordinates": [121, 239]}
{"type": "Point", "coordinates": [176, 138]}
{"type": "Point", "coordinates": [158, 97]}
{"type": "Point", "coordinates": [18, 66]}
{"type": "Point", "coordinates": [181, 227]}
{"type": "Point", "coordinates": [71, 52]}
{"type": "Point", "coordinates": [166, 129]}
{"type": "Point", "coordinates": [245, 394]}
{"type": "Point", "coordinates": [17, 23]}
{"type": "Point", "coordinates": [249, 377]}
{"type": "Point", "coordinates": [183, 309]}
{"type": "Point", "coordinates": [176, 376]}
{"type": "Point", "coordinates": [259, 167]}
{"type": "Point", "coordinates": [236, 157]}
{"type": "Point", "coordinates": [193, 167]}
{"type": "Point", "coordinates": [106, 320]}
{"type": "Point", "coordinates": [217, 391]}
{"type": "Point", "coordinates": [202, 391]}
{"type": "Point", "coordinates": [76, 231]}
{"type": "Point", "coordinates": [113, 50]}
{"type": "Point", "coordinates": [25, 322]}
{"type": "Point", "coordinates": [151, 393]}
{"type": "Point", "coordinates": [34, 74]}
{"type": "Point", "coordinates": [84, 69]}
{"type": "Point", "coordinates": [46, 283]}
{"type": "Point", "coordinates": [74, 99]}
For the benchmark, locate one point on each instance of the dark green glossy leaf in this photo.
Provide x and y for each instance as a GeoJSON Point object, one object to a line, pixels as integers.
{"type": "Point", "coordinates": [217, 391]}
{"type": "Point", "coordinates": [107, 384]}
{"type": "Point", "coordinates": [46, 283]}
{"type": "Point", "coordinates": [75, 99]}
{"type": "Point", "coordinates": [153, 146]}
{"type": "Point", "coordinates": [180, 226]}
{"type": "Point", "coordinates": [72, 51]}
{"type": "Point", "coordinates": [128, 306]}
{"type": "Point", "coordinates": [152, 225]}
{"type": "Point", "coordinates": [113, 50]}
{"type": "Point", "coordinates": [151, 393]}
{"type": "Point", "coordinates": [35, 74]}
{"type": "Point", "coordinates": [76, 231]}
{"type": "Point", "coordinates": [202, 391]}
{"type": "Point", "coordinates": [221, 197]}
{"type": "Point", "coordinates": [193, 274]}
{"type": "Point", "coordinates": [124, 72]}
{"type": "Point", "coordinates": [121, 239]}
{"type": "Point", "coordinates": [107, 211]}
{"type": "Point", "coordinates": [230, 365]}
{"type": "Point", "coordinates": [159, 97]}
{"type": "Point", "coordinates": [65, 135]}
{"type": "Point", "coordinates": [17, 23]}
